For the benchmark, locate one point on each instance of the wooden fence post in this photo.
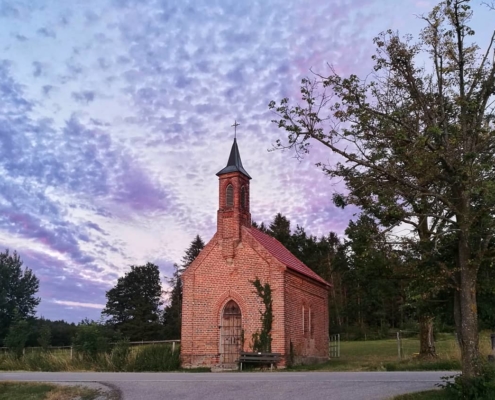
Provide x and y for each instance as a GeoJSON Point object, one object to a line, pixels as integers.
{"type": "Point", "coordinates": [398, 345]}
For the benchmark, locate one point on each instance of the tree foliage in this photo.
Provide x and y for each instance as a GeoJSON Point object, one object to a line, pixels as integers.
{"type": "Point", "coordinates": [18, 288]}
{"type": "Point", "coordinates": [45, 337]}
{"type": "Point", "coordinates": [133, 304]}
{"type": "Point", "coordinates": [90, 340]}
{"type": "Point", "coordinates": [17, 335]}
{"type": "Point", "coordinates": [61, 332]}
{"type": "Point", "coordinates": [417, 144]}
{"type": "Point", "coordinates": [173, 311]}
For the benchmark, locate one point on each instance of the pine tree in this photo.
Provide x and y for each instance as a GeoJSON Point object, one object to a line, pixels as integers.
{"type": "Point", "coordinates": [280, 230]}
{"type": "Point", "coordinates": [172, 312]}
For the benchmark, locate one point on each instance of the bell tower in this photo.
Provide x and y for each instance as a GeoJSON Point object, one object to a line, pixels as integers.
{"type": "Point", "coordinates": [233, 204]}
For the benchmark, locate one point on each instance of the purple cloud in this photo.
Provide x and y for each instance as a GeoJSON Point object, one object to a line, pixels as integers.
{"type": "Point", "coordinates": [47, 32]}
{"type": "Point", "coordinates": [85, 97]}
{"type": "Point", "coordinates": [115, 116]}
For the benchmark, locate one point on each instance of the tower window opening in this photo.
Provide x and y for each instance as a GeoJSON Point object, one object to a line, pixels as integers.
{"type": "Point", "coordinates": [230, 195]}
{"type": "Point", "coordinates": [243, 197]}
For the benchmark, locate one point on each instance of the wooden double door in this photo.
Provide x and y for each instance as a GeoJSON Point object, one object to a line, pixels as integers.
{"type": "Point", "coordinates": [230, 333]}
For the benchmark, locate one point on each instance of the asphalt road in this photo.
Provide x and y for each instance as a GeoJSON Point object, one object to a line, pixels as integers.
{"type": "Point", "coordinates": [248, 385]}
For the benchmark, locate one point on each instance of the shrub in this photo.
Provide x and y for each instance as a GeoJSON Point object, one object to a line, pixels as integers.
{"type": "Point", "coordinates": [481, 387]}
{"type": "Point", "coordinates": [45, 337]}
{"type": "Point", "coordinates": [17, 337]}
{"type": "Point", "coordinates": [89, 341]}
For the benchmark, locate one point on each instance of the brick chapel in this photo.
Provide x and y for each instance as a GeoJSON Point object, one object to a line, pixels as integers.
{"type": "Point", "coordinates": [221, 309]}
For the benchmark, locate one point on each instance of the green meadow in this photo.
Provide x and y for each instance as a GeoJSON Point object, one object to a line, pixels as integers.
{"type": "Point", "coordinates": [382, 355]}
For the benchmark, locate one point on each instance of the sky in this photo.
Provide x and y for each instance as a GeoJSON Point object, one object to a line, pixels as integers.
{"type": "Point", "coordinates": [115, 116]}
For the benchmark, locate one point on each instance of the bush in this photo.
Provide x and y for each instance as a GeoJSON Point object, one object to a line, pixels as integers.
{"type": "Point", "coordinates": [90, 341]}
{"type": "Point", "coordinates": [481, 387]}
{"type": "Point", "coordinates": [17, 337]}
{"type": "Point", "coordinates": [156, 358]}
{"type": "Point", "coordinates": [45, 337]}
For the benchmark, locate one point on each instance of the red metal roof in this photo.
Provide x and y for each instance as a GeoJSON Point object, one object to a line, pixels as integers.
{"type": "Point", "coordinates": [283, 255]}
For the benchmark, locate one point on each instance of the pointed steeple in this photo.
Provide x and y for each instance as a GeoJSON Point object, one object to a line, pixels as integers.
{"type": "Point", "coordinates": [234, 164]}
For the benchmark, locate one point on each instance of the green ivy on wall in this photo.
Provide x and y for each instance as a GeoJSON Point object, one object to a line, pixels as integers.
{"type": "Point", "coordinates": [262, 341]}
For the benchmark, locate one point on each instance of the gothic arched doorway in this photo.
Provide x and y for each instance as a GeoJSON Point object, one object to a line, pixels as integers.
{"type": "Point", "coordinates": [230, 333]}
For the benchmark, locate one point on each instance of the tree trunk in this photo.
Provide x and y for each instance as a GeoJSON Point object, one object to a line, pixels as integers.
{"type": "Point", "coordinates": [457, 314]}
{"type": "Point", "coordinates": [468, 329]}
{"type": "Point", "coordinates": [426, 339]}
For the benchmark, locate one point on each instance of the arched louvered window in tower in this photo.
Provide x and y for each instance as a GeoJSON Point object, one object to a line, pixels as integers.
{"type": "Point", "coordinates": [243, 197]}
{"type": "Point", "coordinates": [230, 195]}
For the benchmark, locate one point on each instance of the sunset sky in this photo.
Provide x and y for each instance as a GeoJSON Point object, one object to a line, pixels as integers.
{"type": "Point", "coordinates": [115, 116]}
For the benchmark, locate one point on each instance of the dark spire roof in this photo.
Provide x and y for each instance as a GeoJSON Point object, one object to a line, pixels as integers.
{"type": "Point", "coordinates": [234, 164]}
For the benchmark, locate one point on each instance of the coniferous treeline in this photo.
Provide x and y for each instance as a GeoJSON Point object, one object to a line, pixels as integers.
{"type": "Point", "coordinates": [377, 284]}
{"type": "Point", "coordinates": [376, 287]}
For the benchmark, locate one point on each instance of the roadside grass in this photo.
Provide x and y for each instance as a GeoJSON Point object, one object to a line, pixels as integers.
{"type": "Point", "coordinates": [45, 391]}
{"type": "Point", "coordinates": [428, 395]}
{"type": "Point", "coordinates": [382, 355]}
{"type": "Point", "coordinates": [371, 355]}
{"type": "Point", "coordinates": [148, 358]}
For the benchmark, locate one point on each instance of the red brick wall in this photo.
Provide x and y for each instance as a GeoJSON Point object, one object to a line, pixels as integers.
{"type": "Point", "coordinates": [308, 334]}
{"type": "Point", "coordinates": [212, 282]}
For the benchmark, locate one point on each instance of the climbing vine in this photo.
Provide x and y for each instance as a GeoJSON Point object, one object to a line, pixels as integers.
{"type": "Point", "coordinates": [262, 341]}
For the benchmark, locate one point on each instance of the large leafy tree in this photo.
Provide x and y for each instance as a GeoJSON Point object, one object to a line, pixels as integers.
{"type": "Point", "coordinates": [18, 288]}
{"type": "Point", "coordinates": [173, 311]}
{"type": "Point", "coordinates": [417, 143]}
{"type": "Point", "coordinates": [133, 304]}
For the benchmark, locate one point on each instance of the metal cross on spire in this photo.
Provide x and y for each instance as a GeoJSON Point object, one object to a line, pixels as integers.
{"type": "Point", "coordinates": [235, 128]}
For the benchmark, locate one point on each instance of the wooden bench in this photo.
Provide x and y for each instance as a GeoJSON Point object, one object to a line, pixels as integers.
{"type": "Point", "coordinates": [266, 358]}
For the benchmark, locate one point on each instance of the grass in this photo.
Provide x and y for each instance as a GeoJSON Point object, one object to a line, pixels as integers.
{"type": "Point", "coordinates": [45, 391]}
{"type": "Point", "coordinates": [428, 395]}
{"type": "Point", "coordinates": [382, 355]}
{"type": "Point", "coordinates": [158, 357]}
{"type": "Point", "coordinates": [371, 355]}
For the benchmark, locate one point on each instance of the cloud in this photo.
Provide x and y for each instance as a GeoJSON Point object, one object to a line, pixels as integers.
{"type": "Point", "coordinates": [47, 89]}
{"type": "Point", "coordinates": [78, 304]}
{"type": "Point", "coordinates": [7, 10]}
{"type": "Point", "coordinates": [47, 32]}
{"type": "Point", "coordinates": [116, 117]}
{"type": "Point", "coordinates": [20, 38]}
{"type": "Point", "coordinates": [37, 69]}
{"type": "Point", "coordinates": [86, 96]}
